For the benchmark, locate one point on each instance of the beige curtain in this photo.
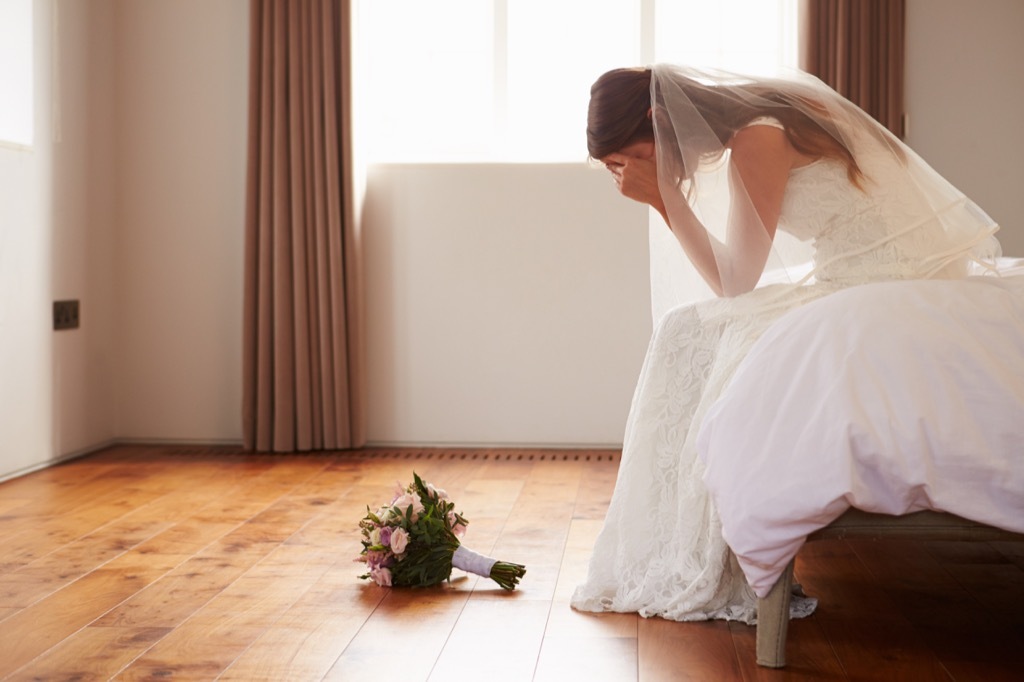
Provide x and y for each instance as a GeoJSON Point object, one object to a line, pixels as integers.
{"type": "Point", "coordinates": [302, 375]}
{"type": "Point", "coordinates": [856, 46]}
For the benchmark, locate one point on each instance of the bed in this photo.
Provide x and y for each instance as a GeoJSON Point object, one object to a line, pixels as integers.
{"type": "Point", "coordinates": [892, 407]}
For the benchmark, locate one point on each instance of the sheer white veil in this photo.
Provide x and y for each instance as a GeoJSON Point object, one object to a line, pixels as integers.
{"type": "Point", "coordinates": [696, 112]}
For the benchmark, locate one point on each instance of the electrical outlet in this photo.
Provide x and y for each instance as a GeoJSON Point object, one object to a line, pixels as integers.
{"type": "Point", "coordinates": [65, 314]}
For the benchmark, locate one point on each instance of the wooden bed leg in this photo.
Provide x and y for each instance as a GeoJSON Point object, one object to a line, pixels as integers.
{"type": "Point", "coordinates": [773, 622]}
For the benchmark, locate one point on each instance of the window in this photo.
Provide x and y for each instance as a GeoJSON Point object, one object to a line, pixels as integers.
{"type": "Point", "coordinates": [755, 37]}
{"type": "Point", "coordinates": [509, 80]}
{"type": "Point", "coordinates": [16, 72]}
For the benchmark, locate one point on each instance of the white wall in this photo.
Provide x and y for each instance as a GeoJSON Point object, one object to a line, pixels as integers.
{"type": "Point", "coordinates": [131, 201]}
{"type": "Point", "coordinates": [965, 100]}
{"type": "Point", "coordinates": [56, 394]}
{"type": "Point", "coordinates": [82, 251]}
{"type": "Point", "coordinates": [506, 304]}
{"type": "Point", "coordinates": [182, 84]}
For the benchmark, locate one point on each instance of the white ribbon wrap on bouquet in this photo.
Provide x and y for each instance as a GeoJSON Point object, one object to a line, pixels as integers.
{"type": "Point", "coordinates": [471, 562]}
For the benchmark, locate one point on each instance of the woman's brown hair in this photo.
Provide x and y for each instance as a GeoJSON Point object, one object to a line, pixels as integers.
{"type": "Point", "coordinates": [620, 105]}
{"type": "Point", "coordinates": [618, 116]}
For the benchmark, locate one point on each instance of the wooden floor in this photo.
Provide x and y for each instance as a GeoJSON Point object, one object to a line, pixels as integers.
{"type": "Point", "coordinates": [157, 563]}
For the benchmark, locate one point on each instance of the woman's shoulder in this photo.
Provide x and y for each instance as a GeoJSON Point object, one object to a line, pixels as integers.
{"type": "Point", "coordinates": [763, 142]}
{"type": "Point", "coordinates": [764, 134]}
{"type": "Point", "coordinates": [765, 121]}
{"type": "Point", "coordinates": [758, 132]}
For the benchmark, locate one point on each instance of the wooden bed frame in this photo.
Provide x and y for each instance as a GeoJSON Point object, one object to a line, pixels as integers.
{"type": "Point", "coordinates": [773, 610]}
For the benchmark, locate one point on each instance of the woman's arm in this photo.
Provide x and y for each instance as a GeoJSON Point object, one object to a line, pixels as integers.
{"type": "Point", "coordinates": [761, 159]}
{"type": "Point", "coordinates": [637, 179]}
{"type": "Point", "coordinates": [760, 163]}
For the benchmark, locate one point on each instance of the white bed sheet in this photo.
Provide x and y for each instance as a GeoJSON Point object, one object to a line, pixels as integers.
{"type": "Point", "coordinates": [890, 397]}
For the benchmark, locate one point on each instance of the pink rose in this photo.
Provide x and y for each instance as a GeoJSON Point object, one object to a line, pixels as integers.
{"type": "Point", "coordinates": [399, 540]}
{"type": "Point", "coordinates": [403, 503]}
{"type": "Point", "coordinates": [381, 576]}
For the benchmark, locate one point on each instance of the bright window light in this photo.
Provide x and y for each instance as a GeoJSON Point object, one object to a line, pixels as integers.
{"type": "Point", "coordinates": [16, 71]}
{"type": "Point", "coordinates": [753, 37]}
{"type": "Point", "coordinates": [509, 80]}
{"type": "Point", "coordinates": [555, 50]}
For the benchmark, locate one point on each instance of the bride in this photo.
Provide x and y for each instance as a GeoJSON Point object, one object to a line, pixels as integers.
{"type": "Point", "coordinates": [733, 165]}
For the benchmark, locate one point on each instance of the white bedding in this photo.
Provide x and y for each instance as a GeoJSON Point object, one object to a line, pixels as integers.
{"type": "Point", "coordinates": [890, 397]}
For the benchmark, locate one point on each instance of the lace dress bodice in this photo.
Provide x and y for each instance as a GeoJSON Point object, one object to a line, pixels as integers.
{"type": "Point", "coordinates": [879, 231]}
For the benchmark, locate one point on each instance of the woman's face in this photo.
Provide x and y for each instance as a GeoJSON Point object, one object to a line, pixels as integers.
{"type": "Point", "coordinates": [637, 150]}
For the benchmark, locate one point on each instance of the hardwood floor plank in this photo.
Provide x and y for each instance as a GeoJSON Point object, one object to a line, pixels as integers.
{"type": "Point", "coordinates": [92, 654]}
{"type": "Point", "coordinates": [502, 636]}
{"type": "Point", "coordinates": [31, 631]}
{"type": "Point", "coordinates": [870, 636]}
{"type": "Point", "coordinates": [564, 621]}
{"type": "Point", "coordinates": [337, 526]}
{"type": "Point", "coordinates": [831, 571]}
{"type": "Point", "coordinates": [882, 647]}
{"type": "Point", "coordinates": [416, 623]}
{"type": "Point", "coordinates": [311, 635]}
{"type": "Point", "coordinates": [668, 650]}
{"type": "Point", "coordinates": [579, 545]}
{"type": "Point", "coordinates": [913, 567]}
{"type": "Point", "coordinates": [44, 576]}
{"type": "Point", "coordinates": [577, 658]}
{"type": "Point", "coordinates": [537, 528]}
{"type": "Point", "coordinates": [197, 581]}
{"type": "Point", "coordinates": [91, 509]}
{"type": "Point", "coordinates": [210, 640]}
{"type": "Point", "coordinates": [951, 552]}
{"type": "Point", "coordinates": [10, 506]}
{"type": "Point", "coordinates": [602, 646]}
{"type": "Point", "coordinates": [809, 654]}
{"type": "Point", "coordinates": [975, 580]}
{"type": "Point", "coordinates": [1013, 551]}
{"type": "Point", "coordinates": [44, 488]}
{"type": "Point", "coordinates": [25, 585]}
{"type": "Point", "coordinates": [597, 482]}
{"type": "Point", "coordinates": [54, 532]}
{"type": "Point", "coordinates": [171, 600]}
{"type": "Point", "coordinates": [998, 587]}
{"type": "Point", "coordinates": [972, 648]}
{"type": "Point", "coordinates": [988, 574]}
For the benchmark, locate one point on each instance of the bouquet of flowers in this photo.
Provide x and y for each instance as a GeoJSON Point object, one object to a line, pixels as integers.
{"type": "Point", "coordinates": [414, 542]}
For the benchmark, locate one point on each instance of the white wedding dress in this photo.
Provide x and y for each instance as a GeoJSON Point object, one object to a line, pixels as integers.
{"type": "Point", "coordinates": [661, 552]}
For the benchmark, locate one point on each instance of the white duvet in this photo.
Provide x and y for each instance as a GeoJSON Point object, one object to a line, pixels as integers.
{"type": "Point", "coordinates": [890, 397]}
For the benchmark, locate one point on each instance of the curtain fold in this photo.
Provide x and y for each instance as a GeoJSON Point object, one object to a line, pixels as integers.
{"type": "Point", "coordinates": [302, 351]}
{"type": "Point", "coordinates": [857, 47]}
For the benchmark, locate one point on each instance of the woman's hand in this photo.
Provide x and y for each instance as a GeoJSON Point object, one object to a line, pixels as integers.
{"type": "Point", "coordinates": [636, 178]}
